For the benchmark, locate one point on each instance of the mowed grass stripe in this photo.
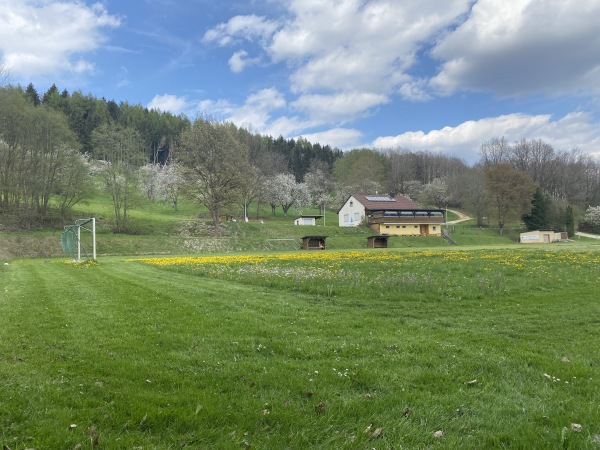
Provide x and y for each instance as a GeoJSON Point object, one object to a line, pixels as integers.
{"type": "Point", "coordinates": [166, 359]}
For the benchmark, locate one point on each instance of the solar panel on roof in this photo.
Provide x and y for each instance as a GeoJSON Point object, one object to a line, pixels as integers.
{"type": "Point", "coordinates": [380, 199]}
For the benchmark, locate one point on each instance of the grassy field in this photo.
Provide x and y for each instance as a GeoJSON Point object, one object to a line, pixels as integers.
{"type": "Point", "coordinates": [158, 229]}
{"type": "Point", "coordinates": [403, 348]}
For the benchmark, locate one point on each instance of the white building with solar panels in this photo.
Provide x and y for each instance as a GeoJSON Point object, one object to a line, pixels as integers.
{"type": "Point", "coordinates": [391, 215]}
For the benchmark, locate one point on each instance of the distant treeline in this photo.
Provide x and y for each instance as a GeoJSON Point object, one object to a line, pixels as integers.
{"type": "Point", "coordinates": [160, 130]}
{"type": "Point", "coordinates": [50, 143]}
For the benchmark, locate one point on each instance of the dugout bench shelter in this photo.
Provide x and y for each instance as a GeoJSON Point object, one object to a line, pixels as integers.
{"type": "Point", "coordinates": [313, 242]}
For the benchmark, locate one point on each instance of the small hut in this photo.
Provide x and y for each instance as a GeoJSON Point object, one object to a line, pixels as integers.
{"type": "Point", "coordinates": [377, 241]}
{"type": "Point", "coordinates": [313, 242]}
{"type": "Point", "coordinates": [307, 220]}
{"type": "Point", "coordinates": [542, 237]}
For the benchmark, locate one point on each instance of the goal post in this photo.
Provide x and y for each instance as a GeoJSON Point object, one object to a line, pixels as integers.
{"type": "Point", "coordinates": [72, 242]}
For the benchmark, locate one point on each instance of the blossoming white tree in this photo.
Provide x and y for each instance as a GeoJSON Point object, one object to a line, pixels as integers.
{"type": "Point", "coordinates": [592, 215]}
{"type": "Point", "coordinates": [283, 190]}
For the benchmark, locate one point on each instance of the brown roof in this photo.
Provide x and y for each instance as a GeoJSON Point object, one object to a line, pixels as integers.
{"type": "Point", "coordinates": [385, 202]}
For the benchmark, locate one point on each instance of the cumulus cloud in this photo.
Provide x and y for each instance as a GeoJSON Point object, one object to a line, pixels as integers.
{"type": "Point", "coordinates": [342, 138]}
{"type": "Point", "coordinates": [238, 28]}
{"type": "Point", "coordinates": [358, 45]}
{"type": "Point", "coordinates": [255, 113]}
{"type": "Point", "coordinates": [169, 103]}
{"type": "Point", "coordinates": [338, 108]}
{"type": "Point", "coordinates": [415, 90]}
{"type": "Point", "coordinates": [575, 130]}
{"type": "Point", "coordinates": [45, 38]}
{"type": "Point", "coordinates": [522, 47]}
{"type": "Point", "coordinates": [332, 48]}
{"type": "Point", "coordinates": [239, 61]}
{"type": "Point", "coordinates": [345, 59]}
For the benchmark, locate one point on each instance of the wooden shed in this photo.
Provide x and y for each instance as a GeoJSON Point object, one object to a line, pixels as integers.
{"type": "Point", "coordinates": [313, 242]}
{"type": "Point", "coordinates": [377, 241]}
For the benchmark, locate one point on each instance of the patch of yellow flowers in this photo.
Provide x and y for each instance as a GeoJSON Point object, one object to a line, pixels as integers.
{"type": "Point", "coordinates": [519, 259]}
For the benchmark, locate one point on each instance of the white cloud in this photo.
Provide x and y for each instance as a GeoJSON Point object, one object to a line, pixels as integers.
{"type": "Point", "coordinates": [415, 90]}
{"type": "Point", "coordinates": [523, 47]}
{"type": "Point", "coordinates": [50, 37]}
{"type": "Point", "coordinates": [171, 103]}
{"type": "Point", "coordinates": [575, 130]}
{"type": "Point", "coordinates": [286, 126]}
{"type": "Point", "coordinates": [359, 45]}
{"type": "Point", "coordinates": [342, 138]}
{"type": "Point", "coordinates": [249, 28]}
{"type": "Point", "coordinates": [239, 61]}
{"type": "Point", "coordinates": [332, 48]}
{"type": "Point", "coordinates": [344, 59]}
{"type": "Point", "coordinates": [255, 113]}
{"type": "Point", "coordinates": [338, 108]}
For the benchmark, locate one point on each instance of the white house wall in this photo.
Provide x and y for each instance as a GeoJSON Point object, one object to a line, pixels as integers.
{"type": "Point", "coordinates": [351, 214]}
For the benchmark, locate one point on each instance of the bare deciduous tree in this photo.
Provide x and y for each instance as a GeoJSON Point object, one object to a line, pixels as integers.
{"type": "Point", "coordinates": [215, 164]}
{"type": "Point", "coordinates": [494, 151]}
{"type": "Point", "coordinates": [509, 193]}
{"type": "Point", "coordinates": [120, 154]}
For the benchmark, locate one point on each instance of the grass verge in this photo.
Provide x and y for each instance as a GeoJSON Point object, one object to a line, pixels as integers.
{"type": "Point", "coordinates": [452, 349]}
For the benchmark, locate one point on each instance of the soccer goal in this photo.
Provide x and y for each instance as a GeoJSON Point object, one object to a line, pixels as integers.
{"type": "Point", "coordinates": [282, 244]}
{"type": "Point", "coordinates": [74, 244]}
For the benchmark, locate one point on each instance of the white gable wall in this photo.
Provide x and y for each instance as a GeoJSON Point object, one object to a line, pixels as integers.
{"type": "Point", "coordinates": [351, 214]}
{"type": "Point", "coordinates": [305, 221]}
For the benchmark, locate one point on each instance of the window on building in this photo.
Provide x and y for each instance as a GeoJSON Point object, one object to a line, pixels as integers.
{"type": "Point", "coordinates": [346, 218]}
{"type": "Point", "coordinates": [351, 203]}
{"type": "Point", "coordinates": [357, 217]}
{"type": "Point", "coordinates": [434, 228]}
{"type": "Point", "coordinates": [387, 226]}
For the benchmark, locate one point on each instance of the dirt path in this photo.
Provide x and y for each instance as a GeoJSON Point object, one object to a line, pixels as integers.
{"type": "Point", "coordinates": [461, 216]}
{"type": "Point", "coordinates": [588, 235]}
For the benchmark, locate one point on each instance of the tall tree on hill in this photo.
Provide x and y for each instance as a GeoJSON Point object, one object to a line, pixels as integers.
{"type": "Point", "coordinates": [468, 191]}
{"type": "Point", "coordinates": [120, 154]}
{"type": "Point", "coordinates": [215, 164]}
{"type": "Point", "coordinates": [509, 193]}
{"type": "Point", "coordinates": [85, 114]}
{"type": "Point", "coordinates": [436, 193]}
{"type": "Point", "coordinates": [362, 169]}
{"type": "Point", "coordinates": [320, 186]}
{"type": "Point", "coordinates": [570, 221]}
{"type": "Point", "coordinates": [40, 166]}
{"type": "Point", "coordinates": [539, 216]}
{"type": "Point", "coordinates": [32, 95]}
{"type": "Point", "coordinates": [284, 190]}
{"type": "Point", "coordinates": [495, 151]}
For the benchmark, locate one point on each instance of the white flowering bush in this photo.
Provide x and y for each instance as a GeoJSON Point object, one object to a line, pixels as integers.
{"type": "Point", "coordinates": [592, 215]}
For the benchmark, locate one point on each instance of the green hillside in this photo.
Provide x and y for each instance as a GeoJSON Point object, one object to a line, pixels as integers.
{"type": "Point", "coordinates": [159, 229]}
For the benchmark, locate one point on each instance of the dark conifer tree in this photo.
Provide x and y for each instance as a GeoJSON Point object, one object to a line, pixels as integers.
{"type": "Point", "coordinates": [539, 217]}
{"type": "Point", "coordinates": [32, 95]}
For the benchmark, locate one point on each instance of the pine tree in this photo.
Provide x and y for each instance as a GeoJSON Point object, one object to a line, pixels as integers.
{"type": "Point", "coordinates": [570, 221]}
{"type": "Point", "coordinates": [539, 217]}
{"type": "Point", "coordinates": [32, 95]}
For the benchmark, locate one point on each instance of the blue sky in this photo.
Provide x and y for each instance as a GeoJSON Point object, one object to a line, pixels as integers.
{"type": "Point", "coordinates": [440, 75]}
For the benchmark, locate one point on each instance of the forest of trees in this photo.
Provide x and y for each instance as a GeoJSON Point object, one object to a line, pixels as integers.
{"type": "Point", "coordinates": [55, 147]}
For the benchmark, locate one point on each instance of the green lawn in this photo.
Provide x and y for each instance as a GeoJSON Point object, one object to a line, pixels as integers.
{"type": "Point", "coordinates": [158, 229]}
{"type": "Point", "coordinates": [489, 348]}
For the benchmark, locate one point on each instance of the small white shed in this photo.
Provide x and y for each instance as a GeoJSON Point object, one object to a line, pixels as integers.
{"type": "Point", "coordinates": [307, 220]}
